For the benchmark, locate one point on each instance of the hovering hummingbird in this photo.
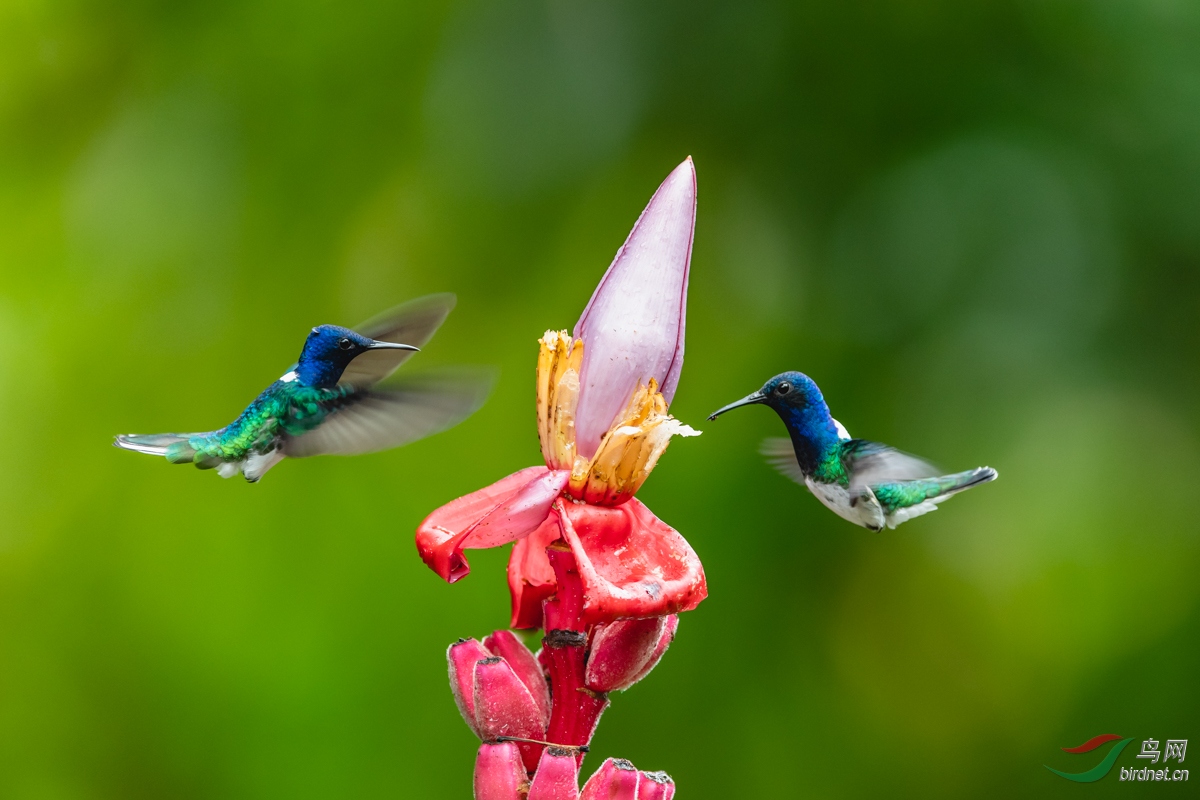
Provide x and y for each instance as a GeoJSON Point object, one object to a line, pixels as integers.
{"type": "Point", "coordinates": [328, 401]}
{"type": "Point", "coordinates": [867, 483]}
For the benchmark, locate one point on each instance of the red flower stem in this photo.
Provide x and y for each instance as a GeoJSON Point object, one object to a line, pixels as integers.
{"type": "Point", "coordinates": [575, 710]}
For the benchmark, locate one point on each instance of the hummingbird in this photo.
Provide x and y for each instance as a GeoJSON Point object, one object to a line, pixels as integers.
{"type": "Point", "coordinates": [867, 483]}
{"type": "Point", "coordinates": [330, 401]}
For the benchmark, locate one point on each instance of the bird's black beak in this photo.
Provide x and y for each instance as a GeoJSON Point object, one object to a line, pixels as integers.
{"type": "Point", "coordinates": [378, 345]}
{"type": "Point", "coordinates": [750, 399]}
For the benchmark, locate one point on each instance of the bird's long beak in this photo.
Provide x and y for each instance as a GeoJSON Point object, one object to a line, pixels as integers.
{"type": "Point", "coordinates": [378, 345]}
{"type": "Point", "coordinates": [750, 399]}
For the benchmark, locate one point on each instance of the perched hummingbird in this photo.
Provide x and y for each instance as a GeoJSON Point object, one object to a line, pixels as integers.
{"type": "Point", "coordinates": [328, 401]}
{"type": "Point", "coordinates": [867, 483]}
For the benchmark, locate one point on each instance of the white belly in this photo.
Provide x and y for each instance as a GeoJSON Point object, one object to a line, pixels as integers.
{"type": "Point", "coordinates": [864, 510]}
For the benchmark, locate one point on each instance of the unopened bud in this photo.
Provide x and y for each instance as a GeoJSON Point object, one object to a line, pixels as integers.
{"type": "Point", "coordinates": [499, 773]}
{"type": "Point", "coordinates": [557, 775]}
{"type": "Point", "coordinates": [616, 779]}
{"type": "Point", "coordinates": [504, 707]}
{"type": "Point", "coordinates": [624, 652]}
{"type": "Point", "coordinates": [670, 626]}
{"type": "Point", "coordinates": [655, 786]}
{"type": "Point", "coordinates": [505, 644]}
{"type": "Point", "coordinates": [463, 655]}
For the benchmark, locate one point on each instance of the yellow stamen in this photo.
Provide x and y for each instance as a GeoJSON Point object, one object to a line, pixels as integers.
{"type": "Point", "coordinates": [630, 449]}
{"type": "Point", "coordinates": [559, 362]}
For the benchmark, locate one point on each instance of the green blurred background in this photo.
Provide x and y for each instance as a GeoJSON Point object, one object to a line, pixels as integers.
{"type": "Point", "coordinates": [977, 226]}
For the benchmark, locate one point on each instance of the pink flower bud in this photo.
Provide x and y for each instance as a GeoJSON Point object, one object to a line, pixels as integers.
{"type": "Point", "coordinates": [616, 779]}
{"type": "Point", "coordinates": [499, 773]}
{"type": "Point", "coordinates": [668, 635]}
{"type": "Point", "coordinates": [655, 786]}
{"type": "Point", "coordinates": [504, 707]}
{"type": "Point", "coordinates": [463, 655]}
{"type": "Point", "coordinates": [494, 698]}
{"type": "Point", "coordinates": [557, 776]}
{"type": "Point", "coordinates": [506, 645]}
{"type": "Point", "coordinates": [623, 652]}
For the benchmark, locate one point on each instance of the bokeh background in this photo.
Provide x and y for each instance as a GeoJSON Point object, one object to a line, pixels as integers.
{"type": "Point", "coordinates": [977, 226]}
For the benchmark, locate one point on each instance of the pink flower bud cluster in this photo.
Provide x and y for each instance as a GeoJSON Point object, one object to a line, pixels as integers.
{"type": "Point", "coordinates": [502, 692]}
{"type": "Point", "coordinates": [500, 775]}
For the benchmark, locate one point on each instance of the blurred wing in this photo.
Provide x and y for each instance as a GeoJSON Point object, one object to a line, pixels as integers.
{"type": "Point", "coordinates": [413, 323]}
{"type": "Point", "coordinates": [782, 456]}
{"type": "Point", "coordinates": [402, 412]}
{"type": "Point", "coordinates": [871, 463]}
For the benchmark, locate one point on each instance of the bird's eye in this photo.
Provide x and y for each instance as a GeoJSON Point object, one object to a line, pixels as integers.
{"type": "Point", "coordinates": [783, 388]}
{"type": "Point", "coordinates": [345, 343]}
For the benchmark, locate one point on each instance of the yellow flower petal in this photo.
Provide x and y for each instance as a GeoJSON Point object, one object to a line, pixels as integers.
{"type": "Point", "coordinates": [628, 451]}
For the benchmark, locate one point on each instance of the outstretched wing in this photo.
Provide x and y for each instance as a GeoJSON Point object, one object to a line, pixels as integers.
{"type": "Point", "coordinates": [401, 412]}
{"type": "Point", "coordinates": [782, 456]}
{"type": "Point", "coordinates": [413, 323]}
{"type": "Point", "coordinates": [872, 463]}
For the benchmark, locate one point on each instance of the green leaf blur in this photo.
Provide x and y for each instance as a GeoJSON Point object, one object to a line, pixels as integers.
{"type": "Point", "coordinates": [976, 226]}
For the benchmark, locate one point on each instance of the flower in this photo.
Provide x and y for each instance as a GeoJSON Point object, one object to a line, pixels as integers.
{"type": "Point", "coordinates": [501, 691]}
{"type": "Point", "coordinates": [603, 395]}
{"type": "Point", "coordinates": [591, 564]}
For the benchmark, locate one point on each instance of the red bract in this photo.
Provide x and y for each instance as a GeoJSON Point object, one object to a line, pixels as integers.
{"type": "Point", "coordinates": [632, 563]}
{"type": "Point", "coordinates": [530, 577]}
{"type": "Point", "coordinates": [509, 509]}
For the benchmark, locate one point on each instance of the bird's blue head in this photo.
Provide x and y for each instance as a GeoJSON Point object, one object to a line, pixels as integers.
{"type": "Point", "coordinates": [789, 393]}
{"type": "Point", "coordinates": [329, 349]}
{"type": "Point", "coordinates": [799, 403]}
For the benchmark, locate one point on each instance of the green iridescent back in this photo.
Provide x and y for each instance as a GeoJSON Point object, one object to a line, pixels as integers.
{"type": "Point", "coordinates": [893, 496]}
{"type": "Point", "coordinates": [289, 409]}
